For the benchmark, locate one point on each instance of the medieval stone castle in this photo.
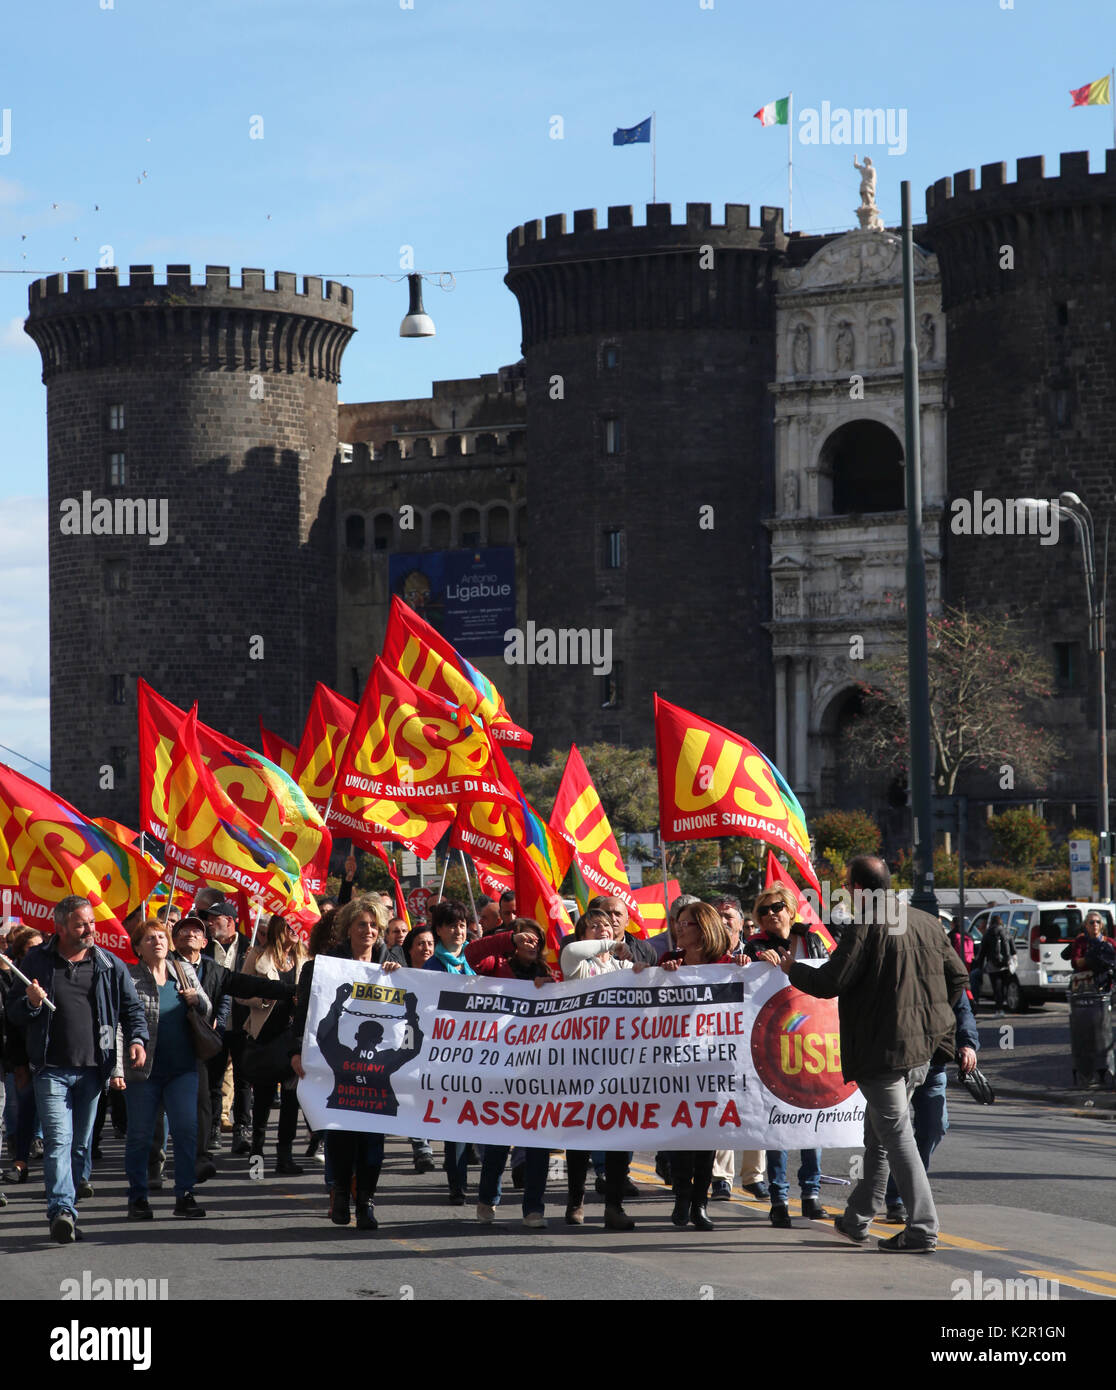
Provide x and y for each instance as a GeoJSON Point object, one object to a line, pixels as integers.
{"type": "Point", "coordinates": [704, 435]}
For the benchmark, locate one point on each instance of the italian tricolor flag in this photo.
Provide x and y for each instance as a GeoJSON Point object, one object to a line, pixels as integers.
{"type": "Point", "coordinates": [1092, 94]}
{"type": "Point", "coordinates": [775, 112]}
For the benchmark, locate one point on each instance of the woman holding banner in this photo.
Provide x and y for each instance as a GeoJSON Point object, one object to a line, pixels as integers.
{"type": "Point", "coordinates": [702, 940]}
{"type": "Point", "coordinates": [281, 958]}
{"type": "Point", "coordinates": [776, 911]}
{"type": "Point", "coordinates": [596, 950]}
{"type": "Point", "coordinates": [518, 954]}
{"type": "Point", "coordinates": [359, 926]}
{"type": "Point", "coordinates": [450, 923]}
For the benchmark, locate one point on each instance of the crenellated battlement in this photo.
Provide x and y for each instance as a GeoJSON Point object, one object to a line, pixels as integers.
{"type": "Point", "coordinates": [661, 275]}
{"type": "Point", "coordinates": [214, 325]}
{"type": "Point", "coordinates": [315, 295]}
{"type": "Point", "coordinates": [551, 237]}
{"type": "Point", "coordinates": [963, 195]}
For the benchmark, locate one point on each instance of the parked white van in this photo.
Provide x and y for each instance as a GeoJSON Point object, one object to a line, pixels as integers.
{"type": "Point", "coordinates": [1040, 932]}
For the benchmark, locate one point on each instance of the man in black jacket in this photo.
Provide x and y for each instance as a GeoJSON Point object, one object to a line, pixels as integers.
{"type": "Point", "coordinates": [896, 979]}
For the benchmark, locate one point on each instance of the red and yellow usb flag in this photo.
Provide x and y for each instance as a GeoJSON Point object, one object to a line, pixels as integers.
{"type": "Point", "coordinates": [322, 746]}
{"type": "Point", "coordinates": [49, 850]}
{"type": "Point", "coordinates": [422, 654]}
{"type": "Point", "coordinates": [713, 783]}
{"type": "Point", "coordinates": [259, 788]}
{"type": "Point", "coordinates": [777, 875]}
{"type": "Point", "coordinates": [579, 819]}
{"type": "Point", "coordinates": [278, 750]}
{"type": "Point", "coordinates": [208, 834]}
{"type": "Point", "coordinates": [411, 746]}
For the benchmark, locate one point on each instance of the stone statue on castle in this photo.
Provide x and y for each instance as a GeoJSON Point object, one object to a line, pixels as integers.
{"type": "Point", "coordinates": [868, 214]}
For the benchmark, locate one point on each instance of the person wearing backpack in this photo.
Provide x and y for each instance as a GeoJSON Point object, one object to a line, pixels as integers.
{"type": "Point", "coordinates": [996, 954]}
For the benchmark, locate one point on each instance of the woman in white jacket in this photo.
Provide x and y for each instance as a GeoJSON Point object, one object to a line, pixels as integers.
{"type": "Point", "coordinates": [596, 950]}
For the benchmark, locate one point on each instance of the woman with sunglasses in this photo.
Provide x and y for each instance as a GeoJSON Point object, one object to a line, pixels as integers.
{"type": "Point", "coordinates": [780, 931]}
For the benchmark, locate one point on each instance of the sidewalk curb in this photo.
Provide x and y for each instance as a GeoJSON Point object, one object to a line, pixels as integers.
{"type": "Point", "coordinates": [1103, 1108]}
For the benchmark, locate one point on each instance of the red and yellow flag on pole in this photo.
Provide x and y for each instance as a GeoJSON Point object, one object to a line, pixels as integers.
{"type": "Point", "coordinates": [258, 787]}
{"type": "Point", "coordinates": [579, 819]}
{"type": "Point", "coordinates": [776, 875]}
{"type": "Point", "coordinates": [411, 746]}
{"type": "Point", "coordinates": [49, 850]}
{"type": "Point", "coordinates": [714, 783]}
{"type": "Point", "coordinates": [322, 746]}
{"type": "Point", "coordinates": [278, 750]}
{"type": "Point", "coordinates": [651, 906]}
{"type": "Point", "coordinates": [208, 834]}
{"type": "Point", "coordinates": [422, 654]}
{"type": "Point", "coordinates": [1098, 93]}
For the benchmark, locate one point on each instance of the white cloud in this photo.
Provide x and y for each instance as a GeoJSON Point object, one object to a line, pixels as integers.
{"type": "Point", "coordinates": [13, 338]}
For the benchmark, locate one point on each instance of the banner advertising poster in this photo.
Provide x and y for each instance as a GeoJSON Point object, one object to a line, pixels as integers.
{"type": "Point", "coordinates": [467, 595]}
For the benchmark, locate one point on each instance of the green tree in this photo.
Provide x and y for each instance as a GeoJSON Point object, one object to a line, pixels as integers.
{"type": "Point", "coordinates": [847, 832]}
{"type": "Point", "coordinates": [1022, 838]}
{"type": "Point", "coordinates": [624, 777]}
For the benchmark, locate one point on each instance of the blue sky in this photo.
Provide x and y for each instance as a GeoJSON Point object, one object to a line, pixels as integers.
{"type": "Point", "coordinates": [430, 127]}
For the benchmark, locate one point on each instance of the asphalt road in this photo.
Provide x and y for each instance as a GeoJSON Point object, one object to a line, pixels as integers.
{"type": "Point", "coordinates": [1025, 1190]}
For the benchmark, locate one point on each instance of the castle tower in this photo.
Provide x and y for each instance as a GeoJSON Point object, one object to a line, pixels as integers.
{"type": "Point", "coordinates": [649, 350]}
{"type": "Point", "coordinates": [1029, 293]}
{"type": "Point", "coordinates": [198, 423]}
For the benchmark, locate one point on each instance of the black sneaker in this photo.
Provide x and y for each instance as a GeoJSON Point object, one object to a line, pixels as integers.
{"type": "Point", "coordinates": [813, 1210]}
{"type": "Point", "coordinates": [909, 1242]}
{"type": "Point", "coordinates": [896, 1216]}
{"type": "Point", "coordinates": [424, 1163]}
{"type": "Point", "coordinates": [84, 1189]}
{"type": "Point", "coordinates": [780, 1216]}
{"type": "Point", "coordinates": [722, 1190]}
{"type": "Point", "coordinates": [204, 1169]}
{"type": "Point", "coordinates": [63, 1229]}
{"type": "Point", "coordinates": [241, 1144]}
{"type": "Point", "coordinates": [140, 1210]}
{"type": "Point", "coordinates": [840, 1227]}
{"type": "Point", "coordinates": [187, 1207]}
{"type": "Point", "coordinates": [759, 1190]}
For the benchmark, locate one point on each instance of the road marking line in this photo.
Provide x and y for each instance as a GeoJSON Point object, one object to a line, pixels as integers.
{"type": "Point", "coordinates": [1082, 1284]}
{"type": "Point", "coordinates": [877, 1228]}
{"type": "Point", "coordinates": [1098, 1274]}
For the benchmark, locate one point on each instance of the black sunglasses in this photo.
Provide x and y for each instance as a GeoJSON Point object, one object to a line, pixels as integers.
{"type": "Point", "coordinates": [771, 908]}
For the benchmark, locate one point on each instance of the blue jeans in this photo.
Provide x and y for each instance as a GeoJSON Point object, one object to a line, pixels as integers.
{"type": "Point", "coordinates": [457, 1170]}
{"type": "Point", "coordinates": [178, 1095]}
{"type": "Point", "coordinates": [66, 1098]}
{"type": "Point", "coordinates": [809, 1174]}
{"type": "Point", "coordinates": [534, 1182]}
{"type": "Point", "coordinates": [930, 1116]}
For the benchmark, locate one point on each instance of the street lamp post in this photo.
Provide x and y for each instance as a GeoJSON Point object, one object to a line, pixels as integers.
{"type": "Point", "coordinates": [1071, 508]}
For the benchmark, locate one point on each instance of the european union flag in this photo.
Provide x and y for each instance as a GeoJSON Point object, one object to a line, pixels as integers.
{"type": "Point", "coordinates": [635, 135]}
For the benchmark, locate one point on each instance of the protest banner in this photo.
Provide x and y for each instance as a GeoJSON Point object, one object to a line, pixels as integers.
{"type": "Point", "coordinates": [700, 1058]}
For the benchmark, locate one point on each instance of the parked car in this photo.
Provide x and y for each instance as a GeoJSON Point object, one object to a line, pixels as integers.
{"type": "Point", "coordinates": [1039, 931]}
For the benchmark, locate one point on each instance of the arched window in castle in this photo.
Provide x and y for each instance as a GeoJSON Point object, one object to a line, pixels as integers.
{"type": "Point", "coordinates": [440, 529]}
{"type": "Point", "coordinates": [383, 524]}
{"type": "Point", "coordinates": [354, 532]}
{"type": "Point", "coordinates": [469, 524]}
{"type": "Point", "coordinates": [499, 531]}
{"type": "Point", "coordinates": [861, 470]}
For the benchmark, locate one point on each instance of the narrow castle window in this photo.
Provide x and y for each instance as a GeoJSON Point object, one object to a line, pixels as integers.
{"type": "Point", "coordinates": [613, 435]}
{"type": "Point", "coordinates": [612, 692]}
{"type": "Point", "coordinates": [117, 470]}
{"type": "Point", "coordinates": [119, 690]}
{"type": "Point", "coordinates": [613, 542]}
{"type": "Point", "coordinates": [116, 417]}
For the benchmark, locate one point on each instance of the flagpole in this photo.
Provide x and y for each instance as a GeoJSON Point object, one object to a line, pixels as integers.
{"type": "Point", "coordinates": [1112, 103]}
{"type": "Point", "coordinates": [790, 161]}
{"type": "Point", "coordinates": [654, 184]}
{"type": "Point", "coordinates": [445, 870]}
{"type": "Point", "coordinates": [468, 884]}
{"type": "Point", "coordinates": [170, 895]}
{"type": "Point", "coordinates": [666, 893]}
